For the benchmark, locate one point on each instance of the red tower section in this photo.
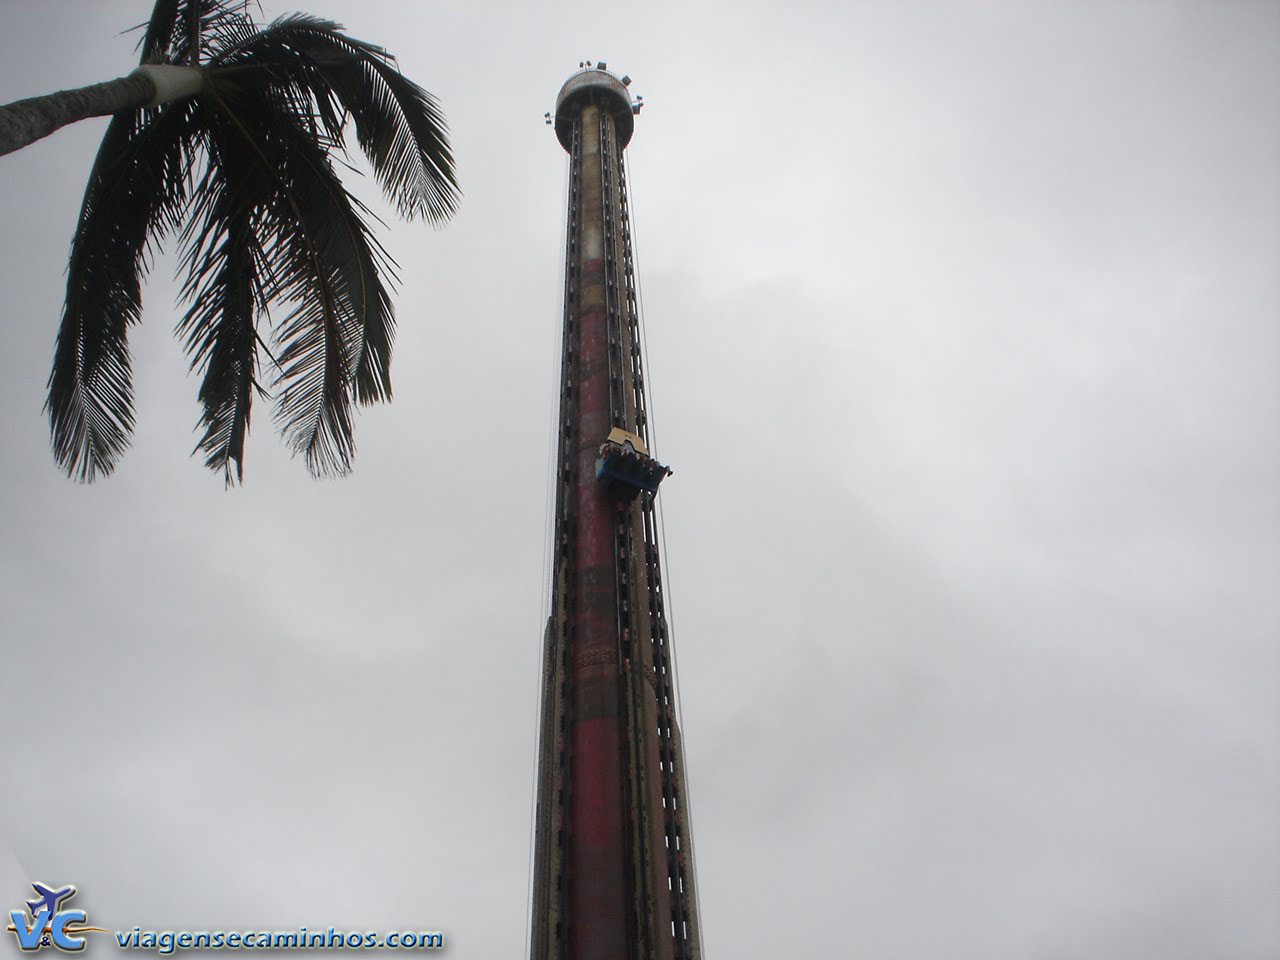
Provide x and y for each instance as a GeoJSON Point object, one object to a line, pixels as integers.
{"type": "Point", "coordinates": [613, 870]}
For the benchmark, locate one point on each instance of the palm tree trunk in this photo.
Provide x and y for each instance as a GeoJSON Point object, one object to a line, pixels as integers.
{"type": "Point", "coordinates": [26, 121]}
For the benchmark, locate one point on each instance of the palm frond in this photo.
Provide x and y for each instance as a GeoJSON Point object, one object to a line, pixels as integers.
{"type": "Point", "coordinates": [225, 28]}
{"type": "Point", "coordinates": [269, 220]}
{"type": "Point", "coordinates": [338, 337]}
{"type": "Point", "coordinates": [336, 342]}
{"type": "Point", "coordinates": [170, 34]}
{"type": "Point", "coordinates": [358, 261]}
{"type": "Point", "coordinates": [157, 39]}
{"type": "Point", "coordinates": [224, 265]}
{"type": "Point", "coordinates": [136, 194]}
{"type": "Point", "coordinates": [399, 126]}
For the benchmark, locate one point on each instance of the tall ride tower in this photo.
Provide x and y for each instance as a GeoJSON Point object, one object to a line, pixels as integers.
{"type": "Point", "coordinates": [613, 867]}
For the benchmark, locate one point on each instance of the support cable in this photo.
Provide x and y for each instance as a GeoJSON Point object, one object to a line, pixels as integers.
{"type": "Point", "coordinates": [548, 547]}
{"type": "Point", "coordinates": [662, 554]}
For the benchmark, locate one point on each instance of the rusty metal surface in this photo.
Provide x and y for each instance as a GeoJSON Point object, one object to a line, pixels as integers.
{"type": "Point", "coordinates": [597, 849]}
{"type": "Point", "coordinates": [612, 879]}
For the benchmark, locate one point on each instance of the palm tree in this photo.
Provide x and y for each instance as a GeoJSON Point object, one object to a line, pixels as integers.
{"type": "Point", "coordinates": [225, 137]}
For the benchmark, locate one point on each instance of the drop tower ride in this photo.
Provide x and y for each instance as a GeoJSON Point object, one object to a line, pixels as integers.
{"type": "Point", "coordinates": [613, 865]}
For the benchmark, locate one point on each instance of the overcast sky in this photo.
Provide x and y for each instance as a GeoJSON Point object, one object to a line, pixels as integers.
{"type": "Point", "coordinates": [963, 343]}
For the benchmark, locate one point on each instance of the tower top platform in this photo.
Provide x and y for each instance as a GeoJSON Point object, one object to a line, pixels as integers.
{"type": "Point", "coordinates": [594, 85]}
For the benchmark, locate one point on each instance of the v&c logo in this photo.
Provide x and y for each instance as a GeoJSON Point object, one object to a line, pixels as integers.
{"type": "Point", "coordinates": [49, 925]}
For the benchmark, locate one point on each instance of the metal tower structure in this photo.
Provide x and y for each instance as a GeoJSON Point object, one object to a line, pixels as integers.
{"type": "Point", "coordinates": [613, 865]}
